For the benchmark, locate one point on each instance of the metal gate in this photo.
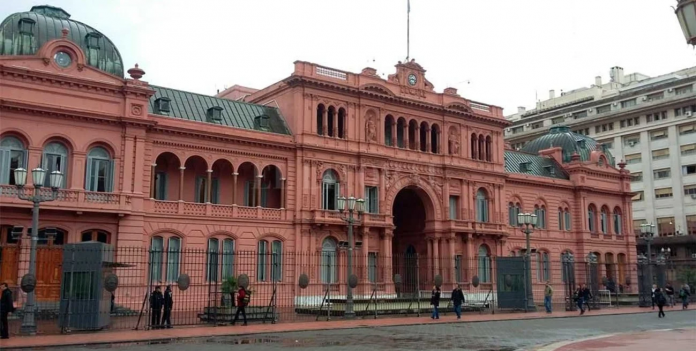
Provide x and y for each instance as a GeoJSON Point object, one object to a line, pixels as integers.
{"type": "Point", "coordinates": [568, 277]}
{"type": "Point", "coordinates": [510, 275]}
{"type": "Point", "coordinates": [593, 280]}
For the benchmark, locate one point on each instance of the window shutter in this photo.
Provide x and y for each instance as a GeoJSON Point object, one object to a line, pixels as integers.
{"type": "Point", "coordinates": [110, 176]}
{"type": "Point", "coordinates": [4, 166]}
{"type": "Point", "coordinates": [88, 174]}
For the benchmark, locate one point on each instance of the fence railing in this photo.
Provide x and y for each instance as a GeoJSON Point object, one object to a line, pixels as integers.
{"type": "Point", "coordinates": [73, 284]}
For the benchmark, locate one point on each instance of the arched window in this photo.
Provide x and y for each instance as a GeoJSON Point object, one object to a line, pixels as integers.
{"type": "Point", "coordinates": [227, 258]}
{"type": "Point", "coordinates": [55, 158]}
{"type": "Point", "coordinates": [99, 173]}
{"type": "Point", "coordinates": [617, 221]}
{"type": "Point", "coordinates": [400, 128]}
{"type": "Point", "coordinates": [481, 206]}
{"type": "Point", "coordinates": [489, 151]}
{"type": "Point", "coordinates": [330, 189]}
{"type": "Point", "coordinates": [269, 260]}
{"type": "Point", "coordinates": [435, 139]}
{"type": "Point", "coordinates": [331, 122]}
{"type": "Point", "coordinates": [481, 148]}
{"type": "Point", "coordinates": [560, 218]}
{"type": "Point", "coordinates": [540, 212]}
{"type": "Point", "coordinates": [513, 211]}
{"type": "Point", "coordinates": [543, 266]}
{"type": "Point", "coordinates": [321, 112]}
{"type": "Point", "coordinates": [566, 220]}
{"type": "Point", "coordinates": [603, 219]}
{"type": "Point", "coordinates": [51, 236]}
{"type": "Point", "coordinates": [96, 235]}
{"type": "Point", "coordinates": [341, 123]}
{"type": "Point", "coordinates": [157, 259]}
{"type": "Point", "coordinates": [389, 130]}
{"type": "Point", "coordinates": [412, 134]}
{"type": "Point", "coordinates": [484, 264]}
{"type": "Point", "coordinates": [474, 148]}
{"type": "Point", "coordinates": [423, 136]}
{"type": "Point", "coordinates": [328, 261]}
{"type": "Point", "coordinates": [220, 254]}
{"type": "Point", "coordinates": [591, 220]}
{"type": "Point", "coordinates": [13, 155]}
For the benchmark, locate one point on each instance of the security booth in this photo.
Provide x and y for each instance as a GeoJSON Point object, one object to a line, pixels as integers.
{"type": "Point", "coordinates": [87, 285]}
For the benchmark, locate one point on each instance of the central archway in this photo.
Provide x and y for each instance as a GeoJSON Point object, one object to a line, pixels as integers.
{"type": "Point", "coordinates": [412, 210]}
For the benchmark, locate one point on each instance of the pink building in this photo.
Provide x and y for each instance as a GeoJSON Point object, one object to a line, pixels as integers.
{"type": "Point", "coordinates": [248, 170]}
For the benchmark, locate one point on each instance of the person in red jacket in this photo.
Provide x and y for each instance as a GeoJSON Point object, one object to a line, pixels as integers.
{"type": "Point", "coordinates": [242, 301]}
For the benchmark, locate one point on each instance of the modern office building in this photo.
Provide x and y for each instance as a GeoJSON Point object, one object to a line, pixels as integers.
{"type": "Point", "coordinates": [650, 122]}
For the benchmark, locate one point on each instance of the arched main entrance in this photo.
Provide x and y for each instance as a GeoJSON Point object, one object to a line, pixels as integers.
{"type": "Point", "coordinates": [412, 209]}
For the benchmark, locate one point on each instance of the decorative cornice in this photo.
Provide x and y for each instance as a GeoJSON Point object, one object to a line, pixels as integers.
{"type": "Point", "coordinates": [188, 146]}
{"type": "Point", "coordinates": [62, 81]}
{"type": "Point", "coordinates": [279, 145]}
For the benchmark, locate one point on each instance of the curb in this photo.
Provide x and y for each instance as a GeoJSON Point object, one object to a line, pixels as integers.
{"type": "Point", "coordinates": [161, 340]}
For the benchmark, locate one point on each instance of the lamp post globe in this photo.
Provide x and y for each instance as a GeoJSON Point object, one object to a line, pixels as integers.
{"type": "Point", "coordinates": [686, 14]}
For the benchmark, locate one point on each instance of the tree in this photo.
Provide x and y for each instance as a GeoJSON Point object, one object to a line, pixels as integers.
{"type": "Point", "coordinates": [229, 286]}
{"type": "Point", "coordinates": [688, 276]}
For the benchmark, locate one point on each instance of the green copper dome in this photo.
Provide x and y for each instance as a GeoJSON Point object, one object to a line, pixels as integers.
{"type": "Point", "coordinates": [570, 142]}
{"type": "Point", "coordinates": [24, 33]}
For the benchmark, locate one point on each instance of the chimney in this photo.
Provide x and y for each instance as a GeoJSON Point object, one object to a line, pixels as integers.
{"type": "Point", "coordinates": [598, 81]}
{"type": "Point", "coordinates": [521, 109]}
{"type": "Point", "coordinates": [617, 75]}
{"type": "Point", "coordinates": [552, 94]}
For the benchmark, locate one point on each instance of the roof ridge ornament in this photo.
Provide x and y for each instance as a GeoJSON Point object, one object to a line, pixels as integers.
{"type": "Point", "coordinates": [136, 73]}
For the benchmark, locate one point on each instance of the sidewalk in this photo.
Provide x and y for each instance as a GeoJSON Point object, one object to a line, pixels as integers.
{"type": "Point", "coordinates": [675, 339]}
{"type": "Point", "coordinates": [135, 336]}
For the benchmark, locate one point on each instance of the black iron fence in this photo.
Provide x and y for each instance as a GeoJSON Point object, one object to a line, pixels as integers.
{"type": "Point", "coordinates": [100, 287]}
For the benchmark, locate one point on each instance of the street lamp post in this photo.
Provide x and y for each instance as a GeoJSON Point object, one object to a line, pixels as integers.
{"type": "Point", "coordinates": [55, 180]}
{"type": "Point", "coordinates": [647, 232]}
{"type": "Point", "coordinates": [351, 220]}
{"type": "Point", "coordinates": [686, 13]}
{"type": "Point", "coordinates": [527, 223]}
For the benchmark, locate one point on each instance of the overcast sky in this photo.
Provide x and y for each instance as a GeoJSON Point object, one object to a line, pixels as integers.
{"type": "Point", "coordinates": [501, 52]}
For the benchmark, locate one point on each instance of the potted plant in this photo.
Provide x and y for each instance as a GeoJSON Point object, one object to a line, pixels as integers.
{"type": "Point", "coordinates": [229, 287]}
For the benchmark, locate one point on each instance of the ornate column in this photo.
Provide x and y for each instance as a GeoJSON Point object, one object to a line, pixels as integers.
{"type": "Point", "coordinates": [393, 134]}
{"type": "Point", "coordinates": [429, 260]}
{"type": "Point", "coordinates": [427, 140]}
{"type": "Point", "coordinates": [417, 136]}
{"type": "Point", "coordinates": [451, 240]}
{"type": "Point", "coordinates": [324, 122]}
{"type": "Point", "coordinates": [382, 191]}
{"type": "Point", "coordinates": [234, 188]}
{"type": "Point", "coordinates": [387, 249]}
{"type": "Point", "coordinates": [438, 141]}
{"type": "Point", "coordinates": [335, 124]}
{"type": "Point", "coordinates": [258, 190]}
{"type": "Point", "coordinates": [406, 142]}
{"type": "Point", "coordinates": [181, 183]}
{"type": "Point", "coordinates": [436, 256]}
{"type": "Point", "coordinates": [282, 193]}
{"type": "Point", "coordinates": [153, 174]}
{"type": "Point", "coordinates": [209, 186]}
{"type": "Point", "coordinates": [366, 253]}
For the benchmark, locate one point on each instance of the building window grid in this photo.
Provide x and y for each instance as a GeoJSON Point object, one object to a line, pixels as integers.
{"type": "Point", "coordinates": [663, 193]}
{"type": "Point", "coordinates": [662, 173]}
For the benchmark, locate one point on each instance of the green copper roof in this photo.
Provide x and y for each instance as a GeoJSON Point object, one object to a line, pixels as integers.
{"type": "Point", "coordinates": [523, 163]}
{"type": "Point", "coordinates": [570, 142]}
{"type": "Point", "coordinates": [24, 33]}
{"type": "Point", "coordinates": [197, 107]}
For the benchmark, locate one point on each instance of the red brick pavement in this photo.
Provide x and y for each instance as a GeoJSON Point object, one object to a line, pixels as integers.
{"type": "Point", "coordinates": [675, 339]}
{"type": "Point", "coordinates": [135, 336]}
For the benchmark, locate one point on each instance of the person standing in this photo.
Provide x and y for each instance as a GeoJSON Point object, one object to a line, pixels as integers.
{"type": "Point", "coordinates": [6, 307]}
{"type": "Point", "coordinates": [243, 299]}
{"type": "Point", "coordinates": [652, 295]}
{"type": "Point", "coordinates": [168, 304]}
{"type": "Point", "coordinates": [458, 300]}
{"type": "Point", "coordinates": [669, 290]}
{"type": "Point", "coordinates": [684, 294]}
{"type": "Point", "coordinates": [435, 301]}
{"type": "Point", "coordinates": [156, 302]}
{"type": "Point", "coordinates": [660, 301]}
{"type": "Point", "coordinates": [548, 295]}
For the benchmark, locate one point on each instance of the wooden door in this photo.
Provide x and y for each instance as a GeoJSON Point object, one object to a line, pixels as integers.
{"type": "Point", "coordinates": [49, 264]}
{"type": "Point", "coordinates": [9, 264]}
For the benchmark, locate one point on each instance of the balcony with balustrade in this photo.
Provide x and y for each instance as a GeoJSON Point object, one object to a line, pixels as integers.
{"type": "Point", "coordinates": [71, 199]}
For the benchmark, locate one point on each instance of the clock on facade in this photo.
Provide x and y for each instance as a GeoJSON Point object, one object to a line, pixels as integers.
{"type": "Point", "coordinates": [412, 79]}
{"type": "Point", "coordinates": [62, 59]}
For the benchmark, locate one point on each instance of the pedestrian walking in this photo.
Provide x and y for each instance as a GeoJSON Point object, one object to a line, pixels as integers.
{"type": "Point", "coordinates": [168, 305]}
{"type": "Point", "coordinates": [458, 300]}
{"type": "Point", "coordinates": [652, 295]}
{"type": "Point", "coordinates": [548, 296]}
{"type": "Point", "coordinates": [577, 297]}
{"type": "Point", "coordinates": [684, 294]}
{"type": "Point", "coordinates": [586, 296]}
{"type": "Point", "coordinates": [243, 299]}
{"type": "Point", "coordinates": [435, 301]}
{"type": "Point", "coordinates": [6, 307]}
{"type": "Point", "coordinates": [669, 291]}
{"type": "Point", "coordinates": [660, 301]}
{"type": "Point", "coordinates": [156, 303]}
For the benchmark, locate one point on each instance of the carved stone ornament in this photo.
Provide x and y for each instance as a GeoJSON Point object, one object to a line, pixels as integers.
{"type": "Point", "coordinates": [454, 143]}
{"type": "Point", "coordinates": [303, 281]}
{"type": "Point", "coordinates": [110, 282]}
{"type": "Point", "coordinates": [438, 280]}
{"type": "Point", "coordinates": [371, 130]}
{"type": "Point", "coordinates": [397, 278]}
{"type": "Point", "coordinates": [353, 281]}
{"type": "Point", "coordinates": [28, 283]}
{"type": "Point", "coordinates": [475, 281]}
{"type": "Point", "coordinates": [183, 282]}
{"type": "Point", "coordinates": [508, 280]}
{"type": "Point", "coordinates": [136, 110]}
{"type": "Point", "coordinates": [243, 281]}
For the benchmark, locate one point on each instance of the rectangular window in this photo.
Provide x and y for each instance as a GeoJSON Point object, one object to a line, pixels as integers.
{"type": "Point", "coordinates": [665, 226]}
{"type": "Point", "coordinates": [581, 114]}
{"type": "Point", "coordinates": [213, 263]}
{"type": "Point", "coordinates": [628, 103]}
{"type": "Point", "coordinates": [632, 140]}
{"type": "Point", "coordinates": [663, 193]}
{"type": "Point", "coordinates": [662, 173]}
{"type": "Point", "coordinates": [658, 134]}
{"type": "Point", "coordinates": [688, 149]}
{"type": "Point", "coordinates": [156, 253]}
{"type": "Point", "coordinates": [173, 258]}
{"type": "Point", "coordinates": [99, 175]}
{"type": "Point", "coordinates": [690, 189]}
{"type": "Point", "coordinates": [638, 196]}
{"type": "Point", "coordinates": [687, 128]}
{"type": "Point", "coordinates": [277, 261]}
{"type": "Point", "coordinates": [558, 120]}
{"type": "Point", "coordinates": [161, 186]}
{"type": "Point", "coordinates": [603, 109]}
{"type": "Point", "coordinates": [637, 177]}
{"type": "Point", "coordinates": [634, 158]}
{"type": "Point", "coordinates": [607, 144]}
{"type": "Point", "coordinates": [371, 199]}
{"type": "Point", "coordinates": [688, 169]}
{"type": "Point", "coordinates": [660, 154]}
{"type": "Point", "coordinates": [683, 90]}
{"type": "Point", "coordinates": [453, 207]}
{"type": "Point", "coordinates": [567, 221]}
{"type": "Point", "coordinates": [677, 112]}
{"type": "Point", "coordinates": [54, 162]}
{"type": "Point", "coordinates": [691, 224]}
{"type": "Point", "coordinates": [372, 267]}
{"type": "Point", "coordinates": [227, 259]}
{"type": "Point", "coordinates": [516, 130]}
{"type": "Point", "coordinates": [537, 125]}
{"type": "Point", "coordinates": [656, 96]}
{"type": "Point", "coordinates": [262, 253]}
{"type": "Point", "coordinates": [636, 226]}
{"type": "Point", "coordinates": [330, 192]}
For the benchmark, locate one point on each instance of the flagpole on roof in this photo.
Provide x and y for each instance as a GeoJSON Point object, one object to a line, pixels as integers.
{"type": "Point", "coordinates": [408, 29]}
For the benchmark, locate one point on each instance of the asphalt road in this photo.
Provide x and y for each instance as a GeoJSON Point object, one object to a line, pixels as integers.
{"type": "Point", "coordinates": [489, 336]}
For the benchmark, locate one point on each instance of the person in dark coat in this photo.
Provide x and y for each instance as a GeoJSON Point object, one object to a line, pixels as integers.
{"type": "Point", "coordinates": [653, 296]}
{"type": "Point", "coordinates": [458, 300]}
{"type": "Point", "coordinates": [435, 301]}
{"type": "Point", "coordinates": [168, 304]}
{"type": "Point", "coordinates": [156, 303]}
{"type": "Point", "coordinates": [242, 301]}
{"type": "Point", "coordinates": [669, 291]}
{"type": "Point", "coordinates": [660, 301]}
{"type": "Point", "coordinates": [684, 294]}
{"type": "Point", "coordinates": [6, 307]}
